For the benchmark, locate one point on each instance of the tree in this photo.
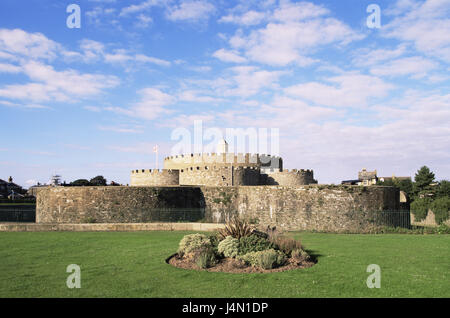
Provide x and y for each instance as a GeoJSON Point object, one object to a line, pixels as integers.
{"type": "Point", "coordinates": [441, 209]}
{"type": "Point", "coordinates": [98, 181]}
{"type": "Point", "coordinates": [80, 183]}
{"type": "Point", "coordinates": [420, 208]}
{"type": "Point", "coordinates": [443, 189]}
{"type": "Point", "coordinates": [405, 185]}
{"type": "Point", "coordinates": [423, 180]}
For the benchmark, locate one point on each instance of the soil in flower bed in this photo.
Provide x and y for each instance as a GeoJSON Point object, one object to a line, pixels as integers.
{"type": "Point", "coordinates": [232, 265]}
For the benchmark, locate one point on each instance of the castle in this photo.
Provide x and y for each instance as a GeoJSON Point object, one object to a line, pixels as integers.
{"type": "Point", "coordinates": [213, 187]}
{"type": "Point", "coordinates": [222, 169]}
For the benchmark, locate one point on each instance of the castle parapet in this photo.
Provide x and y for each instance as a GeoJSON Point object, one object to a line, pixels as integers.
{"type": "Point", "coordinates": [290, 178]}
{"type": "Point", "coordinates": [155, 177]}
{"type": "Point", "coordinates": [236, 160]}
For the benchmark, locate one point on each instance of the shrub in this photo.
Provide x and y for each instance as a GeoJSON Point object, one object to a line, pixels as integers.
{"type": "Point", "coordinates": [253, 243]}
{"type": "Point", "coordinates": [420, 208]}
{"type": "Point", "coordinates": [214, 239]}
{"type": "Point", "coordinates": [235, 228]}
{"type": "Point", "coordinates": [205, 258]}
{"type": "Point", "coordinates": [229, 247]}
{"type": "Point", "coordinates": [192, 242]}
{"type": "Point", "coordinates": [443, 229]}
{"type": "Point", "coordinates": [441, 209]}
{"type": "Point", "coordinates": [286, 244]}
{"type": "Point", "coordinates": [300, 255]}
{"type": "Point", "coordinates": [266, 259]}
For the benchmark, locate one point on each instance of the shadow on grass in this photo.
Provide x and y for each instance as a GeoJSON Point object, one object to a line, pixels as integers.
{"type": "Point", "coordinates": [314, 255]}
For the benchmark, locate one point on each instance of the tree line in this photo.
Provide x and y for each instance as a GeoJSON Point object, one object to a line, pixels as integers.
{"type": "Point", "coordinates": [425, 193]}
{"type": "Point", "coordinates": [96, 181]}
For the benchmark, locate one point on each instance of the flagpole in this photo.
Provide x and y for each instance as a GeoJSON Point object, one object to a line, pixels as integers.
{"type": "Point", "coordinates": [155, 149]}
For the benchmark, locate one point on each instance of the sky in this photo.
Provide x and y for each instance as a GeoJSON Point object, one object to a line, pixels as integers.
{"type": "Point", "coordinates": [344, 93]}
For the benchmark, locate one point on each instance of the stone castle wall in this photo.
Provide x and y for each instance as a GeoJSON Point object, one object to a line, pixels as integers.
{"type": "Point", "coordinates": [248, 176]}
{"type": "Point", "coordinates": [222, 160]}
{"type": "Point", "coordinates": [206, 175]}
{"type": "Point", "coordinates": [149, 177]}
{"type": "Point", "coordinates": [113, 204]}
{"type": "Point", "coordinates": [219, 176]}
{"type": "Point", "coordinates": [312, 207]}
{"type": "Point", "coordinates": [291, 178]}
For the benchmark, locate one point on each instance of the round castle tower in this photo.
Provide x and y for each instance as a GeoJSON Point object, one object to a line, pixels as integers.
{"type": "Point", "coordinates": [155, 177]}
{"type": "Point", "coordinates": [222, 169]}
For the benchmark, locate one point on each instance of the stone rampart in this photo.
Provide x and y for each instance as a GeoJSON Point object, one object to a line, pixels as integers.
{"type": "Point", "coordinates": [291, 178]}
{"type": "Point", "coordinates": [222, 160]}
{"type": "Point", "coordinates": [311, 207]}
{"type": "Point", "coordinates": [155, 177]}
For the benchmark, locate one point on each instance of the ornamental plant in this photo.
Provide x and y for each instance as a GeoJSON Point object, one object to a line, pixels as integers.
{"type": "Point", "coordinates": [205, 258]}
{"type": "Point", "coordinates": [286, 244]}
{"type": "Point", "coordinates": [192, 242]}
{"type": "Point", "coordinates": [254, 243]}
{"type": "Point", "coordinates": [236, 228]}
{"type": "Point", "coordinates": [229, 247]}
{"type": "Point", "coordinates": [266, 259]}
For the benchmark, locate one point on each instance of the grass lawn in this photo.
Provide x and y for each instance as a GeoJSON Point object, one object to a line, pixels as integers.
{"type": "Point", "coordinates": [131, 264]}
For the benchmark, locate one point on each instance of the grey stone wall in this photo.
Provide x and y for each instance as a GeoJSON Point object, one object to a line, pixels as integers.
{"type": "Point", "coordinates": [291, 178]}
{"type": "Point", "coordinates": [246, 176]}
{"type": "Point", "coordinates": [312, 207]}
{"type": "Point", "coordinates": [206, 175]}
{"type": "Point", "coordinates": [117, 204]}
{"type": "Point", "coordinates": [149, 177]}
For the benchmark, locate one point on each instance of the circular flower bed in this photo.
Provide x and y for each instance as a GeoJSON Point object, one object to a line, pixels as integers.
{"type": "Point", "coordinates": [250, 252]}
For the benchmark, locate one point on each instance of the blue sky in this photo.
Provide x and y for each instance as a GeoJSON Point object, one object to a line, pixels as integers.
{"type": "Point", "coordinates": [95, 100]}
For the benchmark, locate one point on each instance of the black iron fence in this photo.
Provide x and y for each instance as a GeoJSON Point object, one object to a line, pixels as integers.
{"type": "Point", "coordinates": [17, 213]}
{"type": "Point", "coordinates": [392, 218]}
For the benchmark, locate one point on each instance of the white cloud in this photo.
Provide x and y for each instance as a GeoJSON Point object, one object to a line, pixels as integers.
{"type": "Point", "coordinates": [417, 67]}
{"type": "Point", "coordinates": [196, 96]}
{"type": "Point", "coordinates": [248, 18]}
{"type": "Point", "coordinates": [249, 80]}
{"type": "Point", "coordinates": [294, 31]}
{"type": "Point", "coordinates": [95, 15]}
{"type": "Point", "coordinates": [148, 59]}
{"type": "Point", "coordinates": [138, 7]}
{"type": "Point", "coordinates": [57, 85]}
{"type": "Point", "coordinates": [190, 10]}
{"type": "Point", "coordinates": [229, 56]}
{"type": "Point", "coordinates": [9, 68]}
{"type": "Point", "coordinates": [425, 24]}
{"type": "Point", "coordinates": [18, 42]}
{"type": "Point", "coordinates": [369, 57]}
{"type": "Point", "coordinates": [152, 104]}
{"type": "Point", "coordinates": [122, 56]}
{"type": "Point", "coordinates": [347, 90]}
{"type": "Point", "coordinates": [143, 21]}
{"type": "Point", "coordinates": [294, 12]}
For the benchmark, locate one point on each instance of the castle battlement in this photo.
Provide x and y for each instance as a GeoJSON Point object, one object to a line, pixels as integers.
{"type": "Point", "coordinates": [154, 171]}
{"type": "Point", "coordinates": [240, 159]}
{"type": "Point", "coordinates": [222, 168]}
{"type": "Point", "coordinates": [156, 177]}
{"type": "Point", "coordinates": [204, 168]}
{"type": "Point", "coordinates": [295, 171]}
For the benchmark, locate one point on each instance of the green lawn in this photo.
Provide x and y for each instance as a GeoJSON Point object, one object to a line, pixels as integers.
{"type": "Point", "coordinates": [119, 264]}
